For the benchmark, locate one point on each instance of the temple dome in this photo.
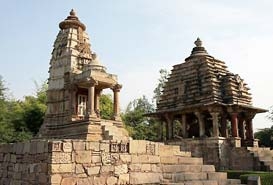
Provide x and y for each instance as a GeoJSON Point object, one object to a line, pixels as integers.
{"type": "Point", "coordinates": [72, 21]}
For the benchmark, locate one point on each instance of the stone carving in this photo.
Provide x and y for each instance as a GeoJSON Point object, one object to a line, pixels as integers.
{"type": "Point", "coordinates": [119, 147]}
{"type": "Point", "coordinates": [56, 146]}
{"type": "Point", "coordinates": [60, 157]}
{"type": "Point", "coordinates": [150, 149]}
{"type": "Point", "coordinates": [106, 158]}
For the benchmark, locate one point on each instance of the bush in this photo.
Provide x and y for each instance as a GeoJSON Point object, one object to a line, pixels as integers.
{"type": "Point", "coordinates": [266, 177]}
{"type": "Point", "coordinates": [235, 174]}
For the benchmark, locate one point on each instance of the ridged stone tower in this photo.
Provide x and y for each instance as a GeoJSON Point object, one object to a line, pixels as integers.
{"type": "Point", "coordinates": [76, 81]}
{"type": "Point", "coordinates": [206, 98]}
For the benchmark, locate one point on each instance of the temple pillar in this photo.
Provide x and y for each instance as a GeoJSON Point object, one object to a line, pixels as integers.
{"type": "Point", "coordinates": [224, 131]}
{"type": "Point", "coordinates": [91, 95]}
{"type": "Point", "coordinates": [184, 126]}
{"type": "Point", "coordinates": [234, 124]}
{"type": "Point", "coordinates": [160, 131]}
{"type": "Point", "coordinates": [201, 123]}
{"type": "Point", "coordinates": [73, 102]}
{"type": "Point", "coordinates": [249, 126]}
{"type": "Point", "coordinates": [116, 107]}
{"type": "Point", "coordinates": [169, 127]}
{"type": "Point", "coordinates": [241, 127]}
{"type": "Point", "coordinates": [215, 123]}
{"type": "Point", "coordinates": [97, 101]}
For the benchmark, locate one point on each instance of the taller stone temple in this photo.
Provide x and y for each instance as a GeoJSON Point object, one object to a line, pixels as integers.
{"type": "Point", "coordinates": [76, 81]}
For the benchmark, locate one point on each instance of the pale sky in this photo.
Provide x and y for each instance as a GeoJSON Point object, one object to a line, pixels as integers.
{"type": "Point", "coordinates": [136, 38]}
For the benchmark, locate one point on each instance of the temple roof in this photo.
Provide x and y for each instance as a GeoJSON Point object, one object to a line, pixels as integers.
{"type": "Point", "coordinates": [72, 21]}
{"type": "Point", "coordinates": [198, 50]}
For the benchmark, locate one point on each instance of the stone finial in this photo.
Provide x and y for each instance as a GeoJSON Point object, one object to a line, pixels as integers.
{"type": "Point", "coordinates": [198, 42]}
{"type": "Point", "coordinates": [72, 21]}
{"type": "Point", "coordinates": [198, 50]}
{"type": "Point", "coordinates": [72, 12]}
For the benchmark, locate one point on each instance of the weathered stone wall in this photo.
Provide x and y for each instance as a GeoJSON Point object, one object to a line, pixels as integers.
{"type": "Point", "coordinates": [81, 162]}
{"type": "Point", "coordinates": [221, 152]}
{"type": "Point", "coordinates": [104, 162]}
{"type": "Point", "coordinates": [24, 163]}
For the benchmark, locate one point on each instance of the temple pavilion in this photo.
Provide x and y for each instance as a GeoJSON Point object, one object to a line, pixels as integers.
{"type": "Point", "coordinates": [201, 99]}
{"type": "Point", "coordinates": [76, 81]}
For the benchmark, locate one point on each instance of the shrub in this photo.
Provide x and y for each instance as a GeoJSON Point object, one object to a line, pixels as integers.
{"type": "Point", "coordinates": [266, 177]}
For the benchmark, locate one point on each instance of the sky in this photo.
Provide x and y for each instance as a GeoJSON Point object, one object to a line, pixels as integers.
{"type": "Point", "coordinates": [136, 38]}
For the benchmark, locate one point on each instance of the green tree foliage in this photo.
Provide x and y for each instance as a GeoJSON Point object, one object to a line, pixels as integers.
{"type": "Point", "coordinates": [106, 106]}
{"type": "Point", "coordinates": [21, 119]}
{"type": "Point", "coordinates": [164, 74]}
{"type": "Point", "coordinates": [139, 126]}
{"type": "Point", "coordinates": [265, 136]}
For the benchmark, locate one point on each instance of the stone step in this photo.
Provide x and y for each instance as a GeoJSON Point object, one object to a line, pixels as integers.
{"type": "Point", "coordinates": [174, 168]}
{"type": "Point", "coordinates": [181, 160]}
{"type": "Point", "coordinates": [194, 182]}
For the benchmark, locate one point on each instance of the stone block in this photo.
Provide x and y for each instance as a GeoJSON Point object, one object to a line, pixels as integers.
{"type": "Point", "coordinates": [26, 147]}
{"type": "Point", "coordinates": [62, 168]}
{"type": "Point", "coordinates": [146, 167]}
{"type": "Point", "coordinates": [145, 178]}
{"type": "Point", "coordinates": [217, 176]}
{"type": "Point", "coordinates": [79, 169]}
{"type": "Point", "coordinates": [169, 160]}
{"type": "Point", "coordinates": [121, 169]}
{"type": "Point", "coordinates": [195, 176]}
{"type": "Point", "coordinates": [78, 145]}
{"type": "Point", "coordinates": [105, 147]}
{"type": "Point", "coordinates": [107, 169]}
{"type": "Point", "coordinates": [60, 157]}
{"type": "Point", "coordinates": [123, 179]}
{"type": "Point", "coordinates": [135, 167]}
{"type": "Point", "coordinates": [94, 170]}
{"type": "Point", "coordinates": [83, 156]}
{"type": "Point", "coordinates": [94, 146]}
{"type": "Point", "coordinates": [85, 181]}
{"type": "Point", "coordinates": [208, 168]}
{"type": "Point", "coordinates": [137, 146]}
{"type": "Point", "coordinates": [69, 181]}
{"type": "Point", "coordinates": [19, 148]}
{"type": "Point", "coordinates": [111, 180]}
{"type": "Point", "coordinates": [96, 159]}
{"type": "Point", "coordinates": [13, 158]}
{"type": "Point", "coordinates": [55, 146]}
{"type": "Point", "coordinates": [125, 158]}
{"type": "Point", "coordinates": [155, 168]}
{"type": "Point", "coordinates": [41, 146]}
{"type": "Point", "coordinates": [67, 146]}
{"type": "Point", "coordinates": [99, 180]}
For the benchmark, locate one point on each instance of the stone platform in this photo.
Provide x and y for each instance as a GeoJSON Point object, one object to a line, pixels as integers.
{"type": "Point", "coordinates": [81, 162]}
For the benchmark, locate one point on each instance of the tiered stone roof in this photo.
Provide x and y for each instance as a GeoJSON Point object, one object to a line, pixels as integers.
{"type": "Point", "coordinates": [201, 80]}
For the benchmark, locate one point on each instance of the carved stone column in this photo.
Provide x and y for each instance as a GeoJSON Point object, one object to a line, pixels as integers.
{"type": "Point", "coordinates": [234, 124]}
{"type": "Point", "coordinates": [249, 126]}
{"type": "Point", "coordinates": [224, 131]}
{"type": "Point", "coordinates": [201, 123]}
{"type": "Point", "coordinates": [116, 89]}
{"type": "Point", "coordinates": [91, 95]}
{"type": "Point", "coordinates": [184, 126]}
{"type": "Point", "coordinates": [241, 126]}
{"type": "Point", "coordinates": [169, 127]}
{"type": "Point", "coordinates": [215, 123]}
{"type": "Point", "coordinates": [97, 101]}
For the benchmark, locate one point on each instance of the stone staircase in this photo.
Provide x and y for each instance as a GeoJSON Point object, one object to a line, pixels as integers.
{"type": "Point", "coordinates": [263, 156]}
{"type": "Point", "coordinates": [113, 132]}
{"type": "Point", "coordinates": [179, 168]}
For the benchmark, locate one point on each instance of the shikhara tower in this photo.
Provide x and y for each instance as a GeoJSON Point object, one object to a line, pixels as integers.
{"type": "Point", "coordinates": [76, 81]}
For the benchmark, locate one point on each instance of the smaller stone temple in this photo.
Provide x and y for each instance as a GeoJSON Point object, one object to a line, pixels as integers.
{"type": "Point", "coordinates": [77, 79]}
{"type": "Point", "coordinates": [206, 100]}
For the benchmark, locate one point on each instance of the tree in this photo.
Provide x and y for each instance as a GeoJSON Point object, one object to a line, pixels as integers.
{"type": "Point", "coordinates": [265, 136]}
{"type": "Point", "coordinates": [106, 106]}
{"type": "Point", "coordinates": [139, 126]}
{"type": "Point", "coordinates": [164, 74]}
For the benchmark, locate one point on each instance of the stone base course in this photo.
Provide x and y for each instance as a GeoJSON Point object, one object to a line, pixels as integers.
{"type": "Point", "coordinates": [82, 162]}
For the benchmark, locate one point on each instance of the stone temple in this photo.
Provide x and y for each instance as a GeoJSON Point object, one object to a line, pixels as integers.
{"type": "Point", "coordinates": [75, 146]}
